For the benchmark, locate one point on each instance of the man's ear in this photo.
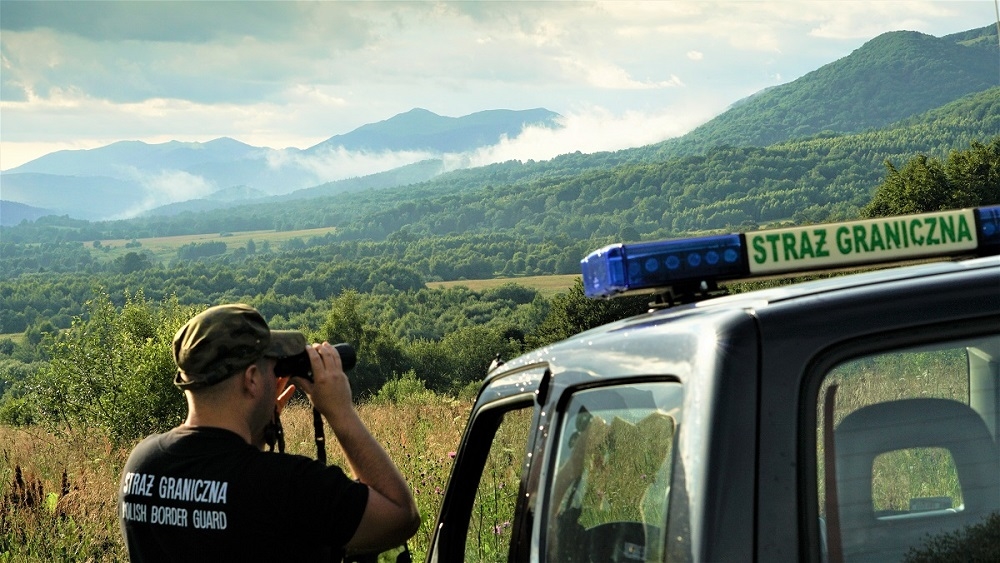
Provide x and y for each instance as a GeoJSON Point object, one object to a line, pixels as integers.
{"type": "Point", "coordinates": [251, 379]}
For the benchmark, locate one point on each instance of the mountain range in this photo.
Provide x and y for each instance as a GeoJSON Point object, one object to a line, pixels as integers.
{"type": "Point", "coordinates": [871, 88]}
{"type": "Point", "coordinates": [131, 177]}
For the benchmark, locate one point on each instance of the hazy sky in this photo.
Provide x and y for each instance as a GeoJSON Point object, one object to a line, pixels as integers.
{"type": "Point", "coordinates": [287, 74]}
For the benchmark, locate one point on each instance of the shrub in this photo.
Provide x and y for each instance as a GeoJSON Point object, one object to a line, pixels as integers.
{"type": "Point", "coordinates": [403, 390]}
{"type": "Point", "coordinates": [978, 542]}
{"type": "Point", "coordinates": [113, 371]}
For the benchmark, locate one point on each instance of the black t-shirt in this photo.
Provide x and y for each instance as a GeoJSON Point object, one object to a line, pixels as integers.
{"type": "Point", "coordinates": [204, 494]}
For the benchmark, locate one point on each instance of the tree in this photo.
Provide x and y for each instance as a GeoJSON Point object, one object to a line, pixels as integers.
{"type": "Point", "coordinates": [572, 312]}
{"type": "Point", "coordinates": [113, 371]}
{"type": "Point", "coordinates": [975, 174]}
{"type": "Point", "coordinates": [132, 262]}
{"type": "Point", "coordinates": [970, 178]}
{"type": "Point", "coordinates": [379, 355]}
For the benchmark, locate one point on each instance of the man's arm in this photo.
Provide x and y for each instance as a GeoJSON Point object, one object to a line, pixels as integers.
{"type": "Point", "coordinates": [391, 515]}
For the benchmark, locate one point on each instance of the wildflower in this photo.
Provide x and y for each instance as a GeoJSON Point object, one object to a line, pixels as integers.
{"type": "Point", "coordinates": [451, 455]}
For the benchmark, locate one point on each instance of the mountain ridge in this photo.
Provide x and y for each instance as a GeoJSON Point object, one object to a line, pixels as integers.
{"type": "Point", "coordinates": [871, 87]}
{"type": "Point", "coordinates": [127, 174]}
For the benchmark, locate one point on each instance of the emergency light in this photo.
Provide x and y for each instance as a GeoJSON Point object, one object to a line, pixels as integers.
{"type": "Point", "coordinates": [701, 262]}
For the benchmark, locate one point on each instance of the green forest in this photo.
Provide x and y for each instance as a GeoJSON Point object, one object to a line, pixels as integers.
{"type": "Point", "coordinates": [364, 279]}
{"type": "Point", "coordinates": [119, 315]}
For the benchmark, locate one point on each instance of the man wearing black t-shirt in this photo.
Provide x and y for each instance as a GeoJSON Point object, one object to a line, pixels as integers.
{"type": "Point", "coordinates": [205, 491]}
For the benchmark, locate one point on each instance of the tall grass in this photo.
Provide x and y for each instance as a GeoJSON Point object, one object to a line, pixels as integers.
{"type": "Point", "coordinates": [58, 495]}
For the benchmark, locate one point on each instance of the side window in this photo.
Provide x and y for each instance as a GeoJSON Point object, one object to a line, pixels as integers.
{"type": "Point", "coordinates": [489, 532]}
{"type": "Point", "coordinates": [608, 497]}
{"type": "Point", "coordinates": [908, 463]}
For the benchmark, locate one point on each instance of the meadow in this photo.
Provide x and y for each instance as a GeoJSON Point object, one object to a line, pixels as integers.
{"type": "Point", "coordinates": [58, 491]}
{"type": "Point", "coordinates": [164, 249]}
{"type": "Point", "coordinates": [547, 286]}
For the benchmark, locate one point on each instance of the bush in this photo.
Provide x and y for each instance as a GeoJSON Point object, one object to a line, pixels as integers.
{"type": "Point", "coordinates": [17, 412]}
{"type": "Point", "coordinates": [113, 371]}
{"type": "Point", "coordinates": [403, 390]}
{"type": "Point", "coordinates": [978, 542]}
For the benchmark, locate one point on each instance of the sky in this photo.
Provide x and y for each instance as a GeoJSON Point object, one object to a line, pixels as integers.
{"type": "Point", "coordinates": [83, 74]}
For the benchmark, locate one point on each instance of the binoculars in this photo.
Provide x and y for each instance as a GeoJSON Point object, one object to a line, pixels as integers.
{"type": "Point", "coordinates": [299, 365]}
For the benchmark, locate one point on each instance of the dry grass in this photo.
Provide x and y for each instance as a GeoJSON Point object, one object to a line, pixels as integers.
{"type": "Point", "coordinates": [546, 285]}
{"type": "Point", "coordinates": [165, 248]}
{"type": "Point", "coordinates": [45, 516]}
{"type": "Point", "coordinates": [58, 497]}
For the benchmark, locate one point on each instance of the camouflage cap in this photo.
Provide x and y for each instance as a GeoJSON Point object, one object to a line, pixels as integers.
{"type": "Point", "coordinates": [225, 339]}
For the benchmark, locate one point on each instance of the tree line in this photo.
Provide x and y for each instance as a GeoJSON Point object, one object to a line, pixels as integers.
{"type": "Point", "coordinates": [93, 334]}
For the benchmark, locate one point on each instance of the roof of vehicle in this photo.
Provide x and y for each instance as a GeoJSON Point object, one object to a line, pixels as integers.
{"type": "Point", "coordinates": [629, 344]}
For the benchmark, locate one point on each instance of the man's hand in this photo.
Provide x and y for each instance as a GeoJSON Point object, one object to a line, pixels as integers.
{"type": "Point", "coordinates": [330, 390]}
{"type": "Point", "coordinates": [391, 515]}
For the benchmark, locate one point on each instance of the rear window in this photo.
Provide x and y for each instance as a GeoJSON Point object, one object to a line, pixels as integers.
{"type": "Point", "coordinates": [908, 464]}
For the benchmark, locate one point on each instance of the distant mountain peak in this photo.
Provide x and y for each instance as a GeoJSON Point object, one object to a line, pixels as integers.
{"type": "Point", "coordinates": [420, 129]}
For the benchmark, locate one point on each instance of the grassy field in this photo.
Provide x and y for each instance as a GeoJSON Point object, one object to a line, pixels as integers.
{"type": "Point", "coordinates": [17, 337]}
{"type": "Point", "coordinates": [165, 248]}
{"type": "Point", "coordinates": [546, 285]}
{"type": "Point", "coordinates": [58, 491]}
{"type": "Point", "coordinates": [58, 494]}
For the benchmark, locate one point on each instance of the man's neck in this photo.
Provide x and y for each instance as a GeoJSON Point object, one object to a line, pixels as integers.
{"type": "Point", "coordinates": [196, 419]}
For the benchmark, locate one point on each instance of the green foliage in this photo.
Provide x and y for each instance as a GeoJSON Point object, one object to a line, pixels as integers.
{"type": "Point", "coordinates": [407, 389]}
{"type": "Point", "coordinates": [978, 542]}
{"type": "Point", "coordinates": [461, 357]}
{"type": "Point", "coordinates": [573, 312]}
{"type": "Point", "coordinates": [969, 178]}
{"type": "Point", "coordinates": [446, 337]}
{"type": "Point", "coordinates": [18, 411]}
{"type": "Point", "coordinates": [14, 373]}
{"type": "Point", "coordinates": [196, 250]}
{"type": "Point", "coordinates": [871, 88]}
{"type": "Point", "coordinates": [132, 262]}
{"type": "Point", "coordinates": [113, 371]}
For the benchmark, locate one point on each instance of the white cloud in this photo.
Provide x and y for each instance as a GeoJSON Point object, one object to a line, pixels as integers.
{"type": "Point", "coordinates": [601, 74]}
{"type": "Point", "coordinates": [592, 130]}
{"type": "Point", "coordinates": [695, 55]}
{"type": "Point", "coordinates": [168, 186]}
{"type": "Point", "coordinates": [338, 163]}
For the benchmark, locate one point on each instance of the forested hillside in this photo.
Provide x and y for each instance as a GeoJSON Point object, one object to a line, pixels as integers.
{"type": "Point", "coordinates": [363, 279]}
{"type": "Point", "coordinates": [812, 178]}
{"type": "Point", "coordinates": [894, 76]}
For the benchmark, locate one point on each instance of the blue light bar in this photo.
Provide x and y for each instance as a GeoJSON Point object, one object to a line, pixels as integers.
{"type": "Point", "coordinates": [649, 266]}
{"type": "Point", "coordinates": [988, 229]}
{"type": "Point", "coordinates": [683, 264]}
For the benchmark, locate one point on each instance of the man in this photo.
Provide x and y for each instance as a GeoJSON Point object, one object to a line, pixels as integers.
{"type": "Point", "coordinates": [204, 491]}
